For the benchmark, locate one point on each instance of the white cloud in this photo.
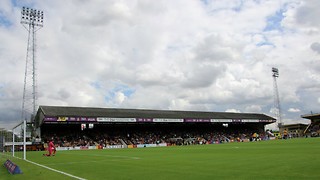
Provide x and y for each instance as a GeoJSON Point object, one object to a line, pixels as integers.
{"type": "Point", "coordinates": [294, 110]}
{"type": "Point", "coordinates": [253, 108]}
{"type": "Point", "coordinates": [204, 55]}
{"type": "Point", "coordinates": [119, 98]}
{"type": "Point", "coordinates": [316, 47]}
{"type": "Point", "coordinates": [233, 110]}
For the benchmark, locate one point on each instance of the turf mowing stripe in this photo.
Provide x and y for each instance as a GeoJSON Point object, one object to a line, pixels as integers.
{"type": "Point", "coordinates": [61, 172]}
{"type": "Point", "coordinates": [105, 155]}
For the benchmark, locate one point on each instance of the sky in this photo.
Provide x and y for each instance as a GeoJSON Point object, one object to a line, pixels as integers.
{"type": "Point", "coordinates": [194, 55]}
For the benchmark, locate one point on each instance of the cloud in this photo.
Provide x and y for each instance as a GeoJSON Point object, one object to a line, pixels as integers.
{"type": "Point", "coordinates": [306, 13]}
{"type": "Point", "coordinates": [204, 55]}
{"type": "Point", "coordinates": [233, 110]}
{"type": "Point", "coordinates": [253, 108]}
{"type": "Point", "coordinates": [315, 47]}
{"type": "Point", "coordinates": [294, 110]}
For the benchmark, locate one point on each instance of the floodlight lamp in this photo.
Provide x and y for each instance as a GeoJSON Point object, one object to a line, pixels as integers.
{"type": "Point", "coordinates": [275, 72]}
{"type": "Point", "coordinates": [32, 17]}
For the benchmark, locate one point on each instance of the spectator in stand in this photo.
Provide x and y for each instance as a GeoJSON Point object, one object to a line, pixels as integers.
{"type": "Point", "coordinates": [254, 137]}
{"type": "Point", "coordinates": [285, 134]}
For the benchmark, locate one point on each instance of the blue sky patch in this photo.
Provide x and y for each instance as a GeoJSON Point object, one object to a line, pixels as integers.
{"type": "Point", "coordinates": [238, 7]}
{"type": "Point", "coordinates": [265, 43]}
{"type": "Point", "coordinates": [96, 84]}
{"type": "Point", "coordinates": [205, 2]}
{"type": "Point", "coordinates": [4, 21]}
{"type": "Point", "coordinates": [274, 21]}
{"type": "Point", "coordinates": [126, 90]}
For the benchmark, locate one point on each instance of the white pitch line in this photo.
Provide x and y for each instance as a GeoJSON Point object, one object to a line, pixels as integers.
{"type": "Point", "coordinates": [61, 172]}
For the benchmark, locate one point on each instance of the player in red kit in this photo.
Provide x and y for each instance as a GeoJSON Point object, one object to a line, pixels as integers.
{"type": "Point", "coordinates": [51, 149]}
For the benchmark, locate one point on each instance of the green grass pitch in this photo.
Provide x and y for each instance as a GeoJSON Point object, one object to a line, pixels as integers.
{"type": "Point", "coordinates": [275, 159]}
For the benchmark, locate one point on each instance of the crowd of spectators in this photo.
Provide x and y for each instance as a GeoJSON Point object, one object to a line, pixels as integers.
{"type": "Point", "coordinates": [135, 136]}
{"type": "Point", "coordinates": [314, 129]}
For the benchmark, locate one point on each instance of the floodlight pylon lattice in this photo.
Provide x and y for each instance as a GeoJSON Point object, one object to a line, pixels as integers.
{"type": "Point", "coordinates": [277, 107]}
{"type": "Point", "coordinates": [32, 21]}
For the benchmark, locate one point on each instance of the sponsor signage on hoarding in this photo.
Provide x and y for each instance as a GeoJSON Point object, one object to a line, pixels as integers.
{"type": "Point", "coordinates": [50, 119]}
{"type": "Point", "coordinates": [261, 120]}
{"type": "Point", "coordinates": [221, 120]}
{"type": "Point", "coordinates": [236, 120]}
{"type": "Point", "coordinates": [250, 120]}
{"type": "Point", "coordinates": [167, 120]}
{"type": "Point", "coordinates": [104, 119]}
{"type": "Point", "coordinates": [197, 120]}
{"type": "Point", "coordinates": [69, 119]}
{"type": "Point", "coordinates": [62, 119]}
{"type": "Point", "coordinates": [82, 119]}
{"type": "Point", "coordinates": [144, 120]}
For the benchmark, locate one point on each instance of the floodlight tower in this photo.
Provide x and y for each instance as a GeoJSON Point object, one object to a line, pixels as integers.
{"type": "Point", "coordinates": [32, 21]}
{"type": "Point", "coordinates": [275, 75]}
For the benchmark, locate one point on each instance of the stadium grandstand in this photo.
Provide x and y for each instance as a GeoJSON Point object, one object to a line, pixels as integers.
{"type": "Point", "coordinates": [313, 129]}
{"type": "Point", "coordinates": [83, 127]}
{"type": "Point", "coordinates": [293, 130]}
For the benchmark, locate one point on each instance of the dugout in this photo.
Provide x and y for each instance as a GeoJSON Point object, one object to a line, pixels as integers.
{"type": "Point", "coordinates": [116, 121]}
